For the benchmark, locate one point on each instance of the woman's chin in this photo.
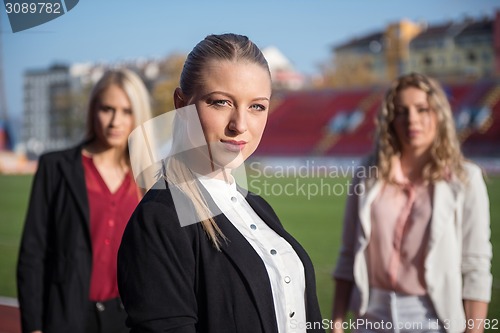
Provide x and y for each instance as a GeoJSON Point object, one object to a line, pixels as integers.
{"type": "Point", "coordinates": [229, 160]}
{"type": "Point", "coordinates": [115, 143]}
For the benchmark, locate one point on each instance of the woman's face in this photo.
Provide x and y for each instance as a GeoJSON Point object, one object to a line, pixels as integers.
{"type": "Point", "coordinates": [114, 118]}
{"type": "Point", "coordinates": [232, 103]}
{"type": "Point", "coordinates": [415, 123]}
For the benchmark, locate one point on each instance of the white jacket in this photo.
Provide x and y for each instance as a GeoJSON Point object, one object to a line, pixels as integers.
{"type": "Point", "coordinates": [458, 261]}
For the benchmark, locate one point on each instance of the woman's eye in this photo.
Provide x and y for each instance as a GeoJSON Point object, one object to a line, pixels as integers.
{"type": "Point", "coordinates": [258, 107]}
{"type": "Point", "coordinates": [106, 108]}
{"type": "Point", "coordinates": [219, 102]}
{"type": "Point", "coordinates": [423, 110]}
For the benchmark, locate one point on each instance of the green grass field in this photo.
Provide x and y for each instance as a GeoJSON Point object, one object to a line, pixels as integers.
{"type": "Point", "coordinates": [316, 221]}
{"type": "Point", "coordinates": [14, 196]}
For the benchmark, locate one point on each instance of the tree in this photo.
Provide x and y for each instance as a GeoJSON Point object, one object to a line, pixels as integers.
{"type": "Point", "coordinates": [168, 80]}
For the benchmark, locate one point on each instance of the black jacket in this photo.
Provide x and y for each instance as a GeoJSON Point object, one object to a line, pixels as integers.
{"type": "Point", "coordinates": [172, 279]}
{"type": "Point", "coordinates": [55, 259]}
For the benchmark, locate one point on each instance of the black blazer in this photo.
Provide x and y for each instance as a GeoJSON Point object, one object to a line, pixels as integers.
{"type": "Point", "coordinates": [172, 279]}
{"type": "Point", "coordinates": [55, 258]}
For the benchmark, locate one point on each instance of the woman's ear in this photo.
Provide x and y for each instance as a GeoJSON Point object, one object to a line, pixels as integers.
{"type": "Point", "coordinates": [179, 98]}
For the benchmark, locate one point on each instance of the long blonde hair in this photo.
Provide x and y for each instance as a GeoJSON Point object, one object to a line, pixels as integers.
{"type": "Point", "coordinates": [446, 158]}
{"type": "Point", "coordinates": [225, 47]}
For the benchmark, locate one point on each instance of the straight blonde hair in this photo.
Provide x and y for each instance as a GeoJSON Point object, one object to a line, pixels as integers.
{"type": "Point", "coordinates": [133, 87]}
{"type": "Point", "coordinates": [225, 47]}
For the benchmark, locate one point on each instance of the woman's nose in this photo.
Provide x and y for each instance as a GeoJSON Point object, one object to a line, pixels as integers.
{"type": "Point", "coordinates": [238, 121]}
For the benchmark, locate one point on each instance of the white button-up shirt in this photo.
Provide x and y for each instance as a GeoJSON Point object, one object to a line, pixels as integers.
{"type": "Point", "coordinates": [284, 267]}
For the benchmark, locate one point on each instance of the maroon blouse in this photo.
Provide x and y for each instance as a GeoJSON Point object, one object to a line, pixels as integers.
{"type": "Point", "coordinates": [109, 214]}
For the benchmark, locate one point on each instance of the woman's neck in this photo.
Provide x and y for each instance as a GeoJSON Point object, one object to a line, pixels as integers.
{"type": "Point", "coordinates": [412, 165]}
{"type": "Point", "coordinates": [204, 166]}
{"type": "Point", "coordinates": [106, 156]}
{"type": "Point", "coordinates": [221, 174]}
{"type": "Point", "coordinates": [110, 162]}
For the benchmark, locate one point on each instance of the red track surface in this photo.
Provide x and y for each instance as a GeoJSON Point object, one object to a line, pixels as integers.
{"type": "Point", "coordinates": [9, 319]}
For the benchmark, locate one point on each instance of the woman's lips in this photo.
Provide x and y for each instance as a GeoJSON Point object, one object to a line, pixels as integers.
{"type": "Point", "coordinates": [234, 146]}
{"type": "Point", "coordinates": [413, 133]}
{"type": "Point", "coordinates": [115, 133]}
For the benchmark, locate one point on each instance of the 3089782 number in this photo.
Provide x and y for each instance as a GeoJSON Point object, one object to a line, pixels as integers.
{"type": "Point", "coordinates": [471, 324]}
{"type": "Point", "coordinates": [33, 7]}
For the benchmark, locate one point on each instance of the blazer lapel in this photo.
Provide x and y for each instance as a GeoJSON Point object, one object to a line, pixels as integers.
{"type": "Point", "coordinates": [272, 222]}
{"type": "Point", "coordinates": [72, 170]}
{"type": "Point", "coordinates": [444, 203]}
{"type": "Point", "coordinates": [312, 306]}
{"type": "Point", "coordinates": [242, 254]}
{"type": "Point", "coordinates": [365, 201]}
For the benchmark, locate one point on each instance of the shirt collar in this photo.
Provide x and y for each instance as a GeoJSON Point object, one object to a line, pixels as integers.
{"type": "Point", "coordinates": [217, 186]}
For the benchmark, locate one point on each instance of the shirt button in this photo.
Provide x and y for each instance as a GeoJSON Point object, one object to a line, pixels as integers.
{"type": "Point", "coordinates": [273, 252]}
{"type": "Point", "coordinates": [111, 223]}
{"type": "Point", "coordinates": [100, 307]}
{"type": "Point", "coordinates": [107, 241]}
{"type": "Point", "coordinates": [233, 199]}
{"type": "Point", "coordinates": [253, 227]}
{"type": "Point", "coordinates": [287, 279]}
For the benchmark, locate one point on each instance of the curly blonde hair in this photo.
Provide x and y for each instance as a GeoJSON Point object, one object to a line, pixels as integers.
{"type": "Point", "coordinates": [446, 157]}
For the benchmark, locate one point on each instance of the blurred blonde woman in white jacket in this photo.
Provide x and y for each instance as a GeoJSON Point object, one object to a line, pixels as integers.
{"type": "Point", "coordinates": [416, 251]}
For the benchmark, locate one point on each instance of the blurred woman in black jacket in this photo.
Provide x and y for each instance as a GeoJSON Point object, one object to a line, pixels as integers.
{"type": "Point", "coordinates": [80, 202]}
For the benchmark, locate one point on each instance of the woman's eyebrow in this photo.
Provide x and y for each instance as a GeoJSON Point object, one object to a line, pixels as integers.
{"type": "Point", "coordinates": [263, 98]}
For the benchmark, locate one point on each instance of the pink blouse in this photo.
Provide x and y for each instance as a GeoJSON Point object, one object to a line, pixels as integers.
{"type": "Point", "coordinates": [400, 217]}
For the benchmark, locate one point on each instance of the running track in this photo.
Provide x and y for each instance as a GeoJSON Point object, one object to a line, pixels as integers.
{"type": "Point", "coordinates": [9, 316]}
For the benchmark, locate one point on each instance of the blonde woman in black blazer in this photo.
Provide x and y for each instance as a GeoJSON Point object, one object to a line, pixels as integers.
{"type": "Point", "coordinates": [57, 248]}
{"type": "Point", "coordinates": [214, 276]}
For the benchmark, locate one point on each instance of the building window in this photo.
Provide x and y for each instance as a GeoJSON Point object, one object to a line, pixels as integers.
{"type": "Point", "coordinates": [375, 46]}
{"type": "Point", "coordinates": [427, 60]}
{"type": "Point", "coordinates": [486, 56]}
{"type": "Point", "coordinates": [441, 61]}
{"type": "Point", "coordinates": [471, 57]}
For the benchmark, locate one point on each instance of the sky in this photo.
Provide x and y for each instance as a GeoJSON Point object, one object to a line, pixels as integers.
{"type": "Point", "coordinates": [114, 30]}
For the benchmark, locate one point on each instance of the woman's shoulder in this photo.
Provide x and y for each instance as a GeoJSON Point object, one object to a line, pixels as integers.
{"type": "Point", "coordinates": [474, 176]}
{"type": "Point", "coordinates": [54, 157]}
{"type": "Point", "coordinates": [158, 196]}
{"type": "Point", "coordinates": [155, 225]}
{"type": "Point", "coordinates": [472, 169]}
{"type": "Point", "coordinates": [164, 207]}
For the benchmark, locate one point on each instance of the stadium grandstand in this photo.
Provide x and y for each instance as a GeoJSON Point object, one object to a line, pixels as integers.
{"type": "Point", "coordinates": [331, 115]}
{"type": "Point", "coordinates": [341, 122]}
{"type": "Point", "coordinates": [336, 124]}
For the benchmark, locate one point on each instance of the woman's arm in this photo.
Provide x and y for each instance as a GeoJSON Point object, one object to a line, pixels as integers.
{"type": "Point", "coordinates": [475, 312]}
{"type": "Point", "coordinates": [156, 270]}
{"type": "Point", "coordinates": [343, 273]}
{"type": "Point", "coordinates": [343, 289]}
{"type": "Point", "coordinates": [476, 250]}
{"type": "Point", "coordinates": [31, 262]}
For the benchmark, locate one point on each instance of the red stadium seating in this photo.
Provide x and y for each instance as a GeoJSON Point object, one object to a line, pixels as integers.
{"type": "Point", "coordinates": [299, 125]}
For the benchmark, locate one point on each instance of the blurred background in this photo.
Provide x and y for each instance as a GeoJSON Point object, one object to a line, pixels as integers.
{"type": "Point", "coordinates": [331, 62]}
